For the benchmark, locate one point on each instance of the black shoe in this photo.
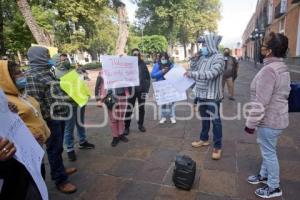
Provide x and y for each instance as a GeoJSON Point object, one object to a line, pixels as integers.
{"type": "Point", "coordinates": [86, 145]}
{"type": "Point", "coordinates": [72, 156]}
{"type": "Point", "coordinates": [123, 138]}
{"type": "Point", "coordinates": [126, 131]}
{"type": "Point", "coordinates": [115, 141]}
{"type": "Point", "coordinates": [231, 99]}
{"type": "Point", "coordinates": [142, 128]}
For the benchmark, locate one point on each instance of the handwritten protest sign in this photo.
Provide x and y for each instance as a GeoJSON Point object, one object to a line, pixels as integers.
{"type": "Point", "coordinates": [120, 71]}
{"type": "Point", "coordinates": [29, 152]}
{"type": "Point", "coordinates": [75, 87]}
{"type": "Point", "coordinates": [178, 80]}
{"type": "Point", "coordinates": [165, 93]}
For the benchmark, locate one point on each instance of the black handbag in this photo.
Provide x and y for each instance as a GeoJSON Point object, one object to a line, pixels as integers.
{"type": "Point", "coordinates": [110, 100]}
{"type": "Point", "coordinates": [294, 98]}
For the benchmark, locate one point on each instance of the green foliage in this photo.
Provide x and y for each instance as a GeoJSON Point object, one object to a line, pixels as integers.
{"type": "Point", "coordinates": [93, 65]}
{"type": "Point", "coordinates": [73, 25]}
{"type": "Point", "coordinates": [17, 36]}
{"type": "Point", "coordinates": [133, 42]}
{"type": "Point", "coordinates": [179, 20]}
{"type": "Point", "coordinates": [153, 44]}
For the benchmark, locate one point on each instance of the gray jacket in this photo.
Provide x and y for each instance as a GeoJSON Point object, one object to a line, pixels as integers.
{"type": "Point", "coordinates": [270, 90]}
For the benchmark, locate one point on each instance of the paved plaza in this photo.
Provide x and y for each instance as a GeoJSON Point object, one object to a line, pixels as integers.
{"type": "Point", "coordinates": [142, 169]}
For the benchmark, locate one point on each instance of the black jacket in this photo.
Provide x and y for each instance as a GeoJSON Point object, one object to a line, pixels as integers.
{"type": "Point", "coordinates": [145, 79]}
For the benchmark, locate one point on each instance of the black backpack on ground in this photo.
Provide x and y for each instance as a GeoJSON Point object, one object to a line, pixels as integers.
{"type": "Point", "coordinates": [184, 172]}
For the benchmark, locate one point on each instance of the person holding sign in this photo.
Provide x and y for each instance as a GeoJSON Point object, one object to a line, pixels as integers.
{"type": "Point", "coordinates": [62, 68]}
{"type": "Point", "coordinates": [139, 93]}
{"type": "Point", "coordinates": [17, 181]}
{"type": "Point", "coordinates": [115, 101]}
{"type": "Point", "coordinates": [160, 68]}
{"type": "Point", "coordinates": [44, 87]}
{"type": "Point", "coordinates": [13, 82]}
{"type": "Point", "coordinates": [208, 90]}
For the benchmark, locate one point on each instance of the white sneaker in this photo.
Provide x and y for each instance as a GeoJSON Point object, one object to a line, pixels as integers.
{"type": "Point", "coordinates": [163, 120]}
{"type": "Point", "coordinates": [173, 120]}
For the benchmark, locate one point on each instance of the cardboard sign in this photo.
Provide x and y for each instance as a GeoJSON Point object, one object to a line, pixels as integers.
{"type": "Point", "coordinates": [165, 93]}
{"type": "Point", "coordinates": [120, 71]}
{"type": "Point", "coordinates": [29, 152]}
{"type": "Point", "coordinates": [75, 87]}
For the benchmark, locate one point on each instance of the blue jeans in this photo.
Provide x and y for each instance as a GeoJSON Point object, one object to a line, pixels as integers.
{"type": "Point", "coordinates": [210, 111]}
{"type": "Point", "coordinates": [70, 126]}
{"type": "Point", "coordinates": [267, 140]}
{"type": "Point", "coordinates": [167, 110]}
{"type": "Point", "coordinates": [54, 151]}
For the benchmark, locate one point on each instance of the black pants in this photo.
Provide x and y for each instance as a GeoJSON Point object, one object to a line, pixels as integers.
{"type": "Point", "coordinates": [17, 182]}
{"type": "Point", "coordinates": [131, 103]}
{"type": "Point", "coordinates": [55, 150]}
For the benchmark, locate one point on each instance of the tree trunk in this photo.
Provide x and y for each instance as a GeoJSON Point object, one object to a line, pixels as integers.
{"type": "Point", "coordinates": [123, 30]}
{"type": "Point", "coordinates": [19, 57]}
{"type": "Point", "coordinates": [193, 49]}
{"type": "Point", "coordinates": [36, 31]}
{"type": "Point", "coordinates": [2, 47]}
{"type": "Point", "coordinates": [185, 50]}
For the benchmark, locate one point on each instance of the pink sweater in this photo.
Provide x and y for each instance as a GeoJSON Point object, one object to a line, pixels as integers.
{"type": "Point", "coordinates": [270, 90]}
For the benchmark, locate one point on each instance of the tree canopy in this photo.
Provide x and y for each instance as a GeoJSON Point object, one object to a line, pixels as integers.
{"type": "Point", "coordinates": [178, 20]}
{"type": "Point", "coordinates": [92, 25]}
{"type": "Point", "coordinates": [72, 25]}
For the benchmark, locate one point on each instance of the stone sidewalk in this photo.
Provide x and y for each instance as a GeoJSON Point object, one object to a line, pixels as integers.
{"type": "Point", "coordinates": [142, 168]}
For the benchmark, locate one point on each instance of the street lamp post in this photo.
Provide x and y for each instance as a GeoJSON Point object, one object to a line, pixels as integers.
{"type": "Point", "coordinates": [256, 36]}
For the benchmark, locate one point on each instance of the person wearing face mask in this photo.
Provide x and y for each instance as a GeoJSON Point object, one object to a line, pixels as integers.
{"type": "Point", "coordinates": [78, 114]}
{"type": "Point", "coordinates": [268, 114]}
{"type": "Point", "coordinates": [13, 82]}
{"type": "Point", "coordinates": [230, 73]}
{"type": "Point", "coordinates": [44, 87]}
{"type": "Point", "coordinates": [208, 90]}
{"type": "Point", "coordinates": [159, 70]}
{"type": "Point", "coordinates": [139, 93]}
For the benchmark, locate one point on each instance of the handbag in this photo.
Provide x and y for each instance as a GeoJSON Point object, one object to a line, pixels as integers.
{"type": "Point", "coordinates": [110, 100]}
{"type": "Point", "coordinates": [294, 98]}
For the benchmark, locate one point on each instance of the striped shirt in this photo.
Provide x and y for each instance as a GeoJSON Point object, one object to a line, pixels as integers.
{"type": "Point", "coordinates": [209, 73]}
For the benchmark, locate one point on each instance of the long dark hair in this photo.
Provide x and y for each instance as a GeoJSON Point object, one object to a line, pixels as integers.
{"type": "Point", "coordinates": [139, 56]}
{"type": "Point", "coordinates": [278, 43]}
{"type": "Point", "coordinates": [12, 69]}
{"type": "Point", "coordinates": [166, 55]}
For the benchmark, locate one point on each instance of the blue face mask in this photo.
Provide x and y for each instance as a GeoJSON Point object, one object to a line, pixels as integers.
{"type": "Point", "coordinates": [21, 82]}
{"type": "Point", "coordinates": [204, 51]}
{"type": "Point", "coordinates": [164, 62]}
{"type": "Point", "coordinates": [51, 62]}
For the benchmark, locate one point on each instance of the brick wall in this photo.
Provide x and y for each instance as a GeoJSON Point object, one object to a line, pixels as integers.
{"type": "Point", "coordinates": [291, 30]}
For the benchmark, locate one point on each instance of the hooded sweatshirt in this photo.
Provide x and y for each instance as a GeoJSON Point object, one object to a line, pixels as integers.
{"type": "Point", "coordinates": [43, 86]}
{"type": "Point", "coordinates": [28, 107]}
{"type": "Point", "coordinates": [209, 72]}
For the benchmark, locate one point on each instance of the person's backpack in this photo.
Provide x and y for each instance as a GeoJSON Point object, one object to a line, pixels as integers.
{"type": "Point", "coordinates": [184, 172]}
{"type": "Point", "coordinates": [294, 98]}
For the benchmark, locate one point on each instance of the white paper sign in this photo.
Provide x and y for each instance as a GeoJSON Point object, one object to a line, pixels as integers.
{"type": "Point", "coordinates": [29, 152]}
{"type": "Point", "coordinates": [178, 80]}
{"type": "Point", "coordinates": [120, 71]}
{"type": "Point", "coordinates": [165, 93]}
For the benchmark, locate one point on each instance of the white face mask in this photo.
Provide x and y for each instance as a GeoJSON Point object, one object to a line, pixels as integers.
{"type": "Point", "coordinates": [164, 62]}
